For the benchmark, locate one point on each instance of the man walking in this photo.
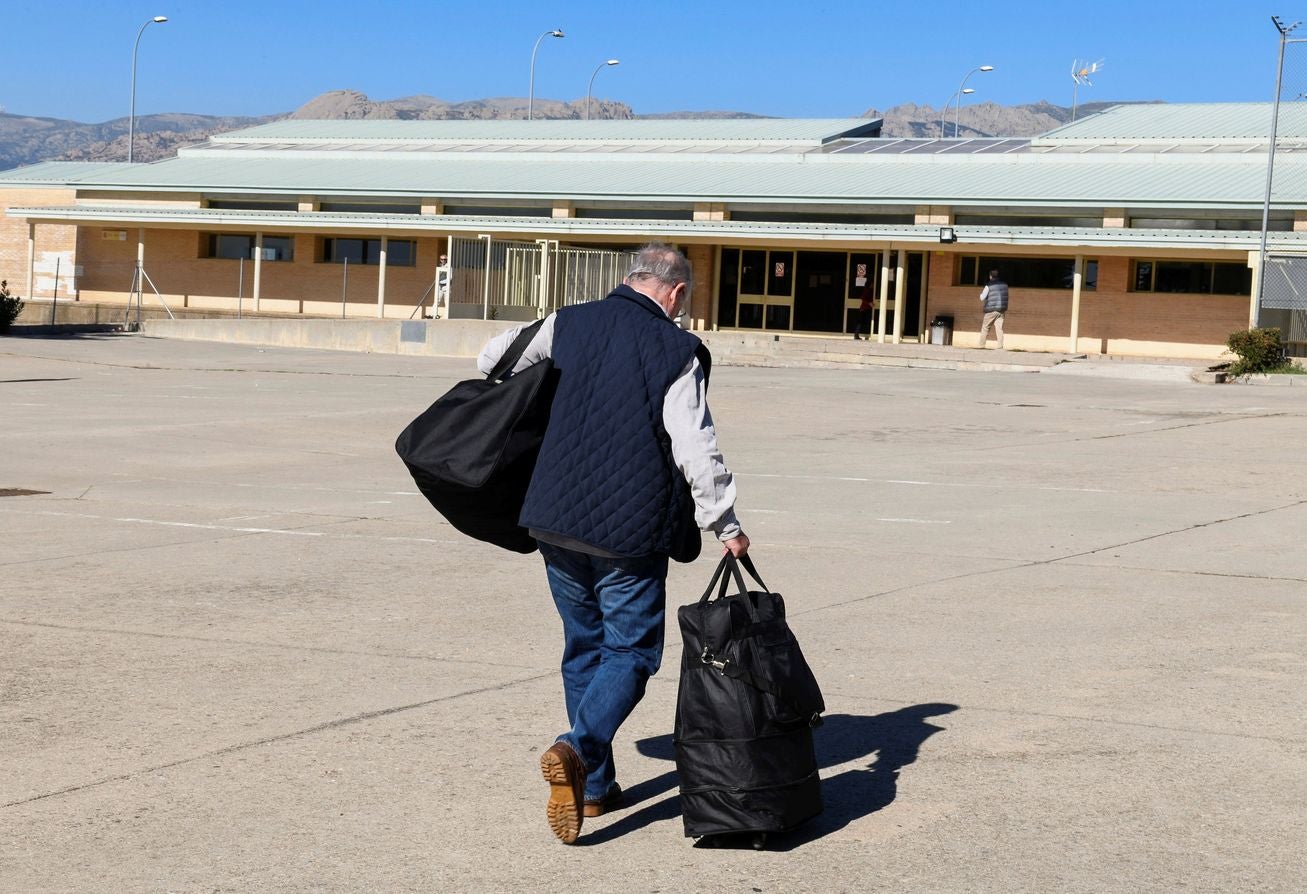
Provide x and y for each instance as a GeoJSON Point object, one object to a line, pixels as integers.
{"type": "Point", "coordinates": [628, 474]}
{"type": "Point", "coordinates": [994, 297]}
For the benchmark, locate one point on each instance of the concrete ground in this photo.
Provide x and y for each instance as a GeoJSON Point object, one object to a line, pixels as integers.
{"type": "Point", "coordinates": [1060, 622]}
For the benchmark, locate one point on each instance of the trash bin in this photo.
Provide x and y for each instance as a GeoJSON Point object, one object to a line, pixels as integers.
{"type": "Point", "coordinates": [941, 330]}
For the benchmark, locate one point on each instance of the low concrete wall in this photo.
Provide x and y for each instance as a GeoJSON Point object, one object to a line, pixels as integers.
{"type": "Point", "coordinates": [448, 338]}
{"type": "Point", "coordinates": [464, 338]}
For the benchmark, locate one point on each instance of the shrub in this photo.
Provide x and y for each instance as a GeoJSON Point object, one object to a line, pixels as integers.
{"type": "Point", "coordinates": [1258, 350]}
{"type": "Point", "coordinates": [10, 306]}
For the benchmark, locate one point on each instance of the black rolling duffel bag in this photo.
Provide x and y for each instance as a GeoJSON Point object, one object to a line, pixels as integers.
{"type": "Point", "coordinates": [472, 452]}
{"type": "Point", "coordinates": [745, 711]}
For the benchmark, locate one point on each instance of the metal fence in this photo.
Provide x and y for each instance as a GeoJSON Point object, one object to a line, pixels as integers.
{"type": "Point", "coordinates": [529, 277]}
{"type": "Point", "coordinates": [1285, 286]}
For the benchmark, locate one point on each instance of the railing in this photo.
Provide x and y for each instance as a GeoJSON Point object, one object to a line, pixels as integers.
{"type": "Point", "coordinates": [543, 276]}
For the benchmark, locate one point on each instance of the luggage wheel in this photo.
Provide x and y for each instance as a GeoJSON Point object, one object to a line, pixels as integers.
{"type": "Point", "coordinates": [755, 840]}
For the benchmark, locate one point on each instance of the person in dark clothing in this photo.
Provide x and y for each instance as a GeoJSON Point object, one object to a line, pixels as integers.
{"type": "Point", "coordinates": [994, 298]}
{"type": "Point", "coordinates": [629, 472]}
{"type": "Point", "coordinates": [865, 308]}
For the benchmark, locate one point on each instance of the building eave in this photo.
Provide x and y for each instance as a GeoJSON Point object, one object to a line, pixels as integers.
{"type": "Point", "coordinates": [698, 231]}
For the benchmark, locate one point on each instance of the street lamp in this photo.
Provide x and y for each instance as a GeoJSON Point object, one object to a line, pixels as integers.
{"type": "Point", "coordinates": [590, 87]}
{"type": "Point", "coordinates": [131, 118]}
{"type": "Point", "coordinates": [961, 91]}
{"type": "Point", "coordinates": [948, 102]}
{"type": "Point", "coordinates": [531, 94]}
{"type": "Point", "coordinates": [1285, 32]}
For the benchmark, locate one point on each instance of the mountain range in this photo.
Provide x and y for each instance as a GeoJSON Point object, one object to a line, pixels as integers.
{"type": "Point", "coordinates": [27, 140]}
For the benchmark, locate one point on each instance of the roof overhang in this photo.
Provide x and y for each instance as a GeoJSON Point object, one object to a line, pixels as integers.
{"type": "Point", "coordinates": [401, 225]}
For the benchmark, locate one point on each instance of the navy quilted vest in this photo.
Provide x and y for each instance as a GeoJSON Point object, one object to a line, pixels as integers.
{"type": "Point", "coordinates": [605, 475]}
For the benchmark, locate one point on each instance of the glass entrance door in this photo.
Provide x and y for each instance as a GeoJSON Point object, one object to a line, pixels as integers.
{"type": "Point", "coordinates": [764, 293]}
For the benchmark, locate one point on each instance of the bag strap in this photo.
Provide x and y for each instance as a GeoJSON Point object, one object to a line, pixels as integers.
{"type": "Point", "coordinates": [509, 358]}
{"type": "Point", "coordinates": [730, 669]}
{"type": "Point", "coordinates": [705, 362]}
{"type": "Point", "coordinates": [753, 572]}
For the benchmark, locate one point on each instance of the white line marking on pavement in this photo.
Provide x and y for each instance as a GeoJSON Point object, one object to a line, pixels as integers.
{"type": "Point", "coordinates": [916, 521]}
{"type": "Point", "coordinates": [235, 529]}
{"type": "Point", "coordinates": [1082, 490]}
{"type": "Point", "coordinates": [173, 524]}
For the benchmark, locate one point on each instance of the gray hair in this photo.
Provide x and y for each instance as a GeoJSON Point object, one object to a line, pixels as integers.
{"type": "Point", "coordinates": [657, 260]}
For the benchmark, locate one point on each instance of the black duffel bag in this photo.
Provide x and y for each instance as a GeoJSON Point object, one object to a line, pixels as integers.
{"type": "Point", "coordinates": [472, 452]}
{"type": "Point", "coordinates": [745, 711]}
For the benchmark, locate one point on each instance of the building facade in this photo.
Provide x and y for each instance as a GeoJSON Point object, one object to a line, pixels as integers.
{"type": "Point", "coordinates": [1134, 232]}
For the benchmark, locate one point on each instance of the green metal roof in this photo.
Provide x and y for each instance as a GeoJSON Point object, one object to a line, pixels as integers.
{"type": "Point", "coordinates": [58, 173]}
{"type": "Point", "coordinates": [814, 130]}
{"type": "Point", "coordinates": [1189, 121]}
{"type": "Point", "coordinates": [1022, 179]}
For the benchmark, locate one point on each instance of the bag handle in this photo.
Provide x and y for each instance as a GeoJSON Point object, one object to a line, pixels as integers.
{"type": "Point", "coordinates": [509, 358]}
{"type": "Point", "coordinates": [732, 564]}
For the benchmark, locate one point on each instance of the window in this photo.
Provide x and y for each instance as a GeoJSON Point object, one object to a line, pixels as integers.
{"type": "Point", "coordinates": [399, 252]}
{"type": "Point", "coordinates": [1275, 224]}
{"type": "Point", "coordinates": [252, 205]}
{"type": "Point", "coordinates": [369, 208]}
{"type": "Point", "coordinates": [1027, 273]}
{"type": "Point", "coordinates": [232, 246]}
{"type": "Point", "coordinates": [729, 287]}
{"type": "Point", "coordinates": [821, 217]}
{"type": "Point", "coordinates": [1191, 277]}
{"type": "Point", "coordinates": [635, 213]}
{"type": "Point", "coordinates": [501, 210]}
{"type": "Point", "coordinates": [1027, 220]}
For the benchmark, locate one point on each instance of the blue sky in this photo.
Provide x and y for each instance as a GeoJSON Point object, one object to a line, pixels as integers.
{"type": "Point", "coordinates": [69, 59]}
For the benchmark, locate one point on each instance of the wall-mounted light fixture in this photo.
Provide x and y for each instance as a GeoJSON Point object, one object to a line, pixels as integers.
{"type": "Point", "coordinates": [946, 234]}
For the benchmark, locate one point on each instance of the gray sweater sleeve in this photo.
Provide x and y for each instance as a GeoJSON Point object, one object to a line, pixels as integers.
{"type": "Point", "coordinates": [694, 449]}
{"type": "Point", "coordinates": [541, 346]}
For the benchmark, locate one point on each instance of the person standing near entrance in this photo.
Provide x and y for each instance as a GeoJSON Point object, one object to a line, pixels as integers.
{"type": "Point", "coordinates": [628, 473]}
{"type": "Point", "coordinates": [994, 298]}
{"type": "Point", "coordinates": [865, 308]}
{"type": "Point", "coordinates": [444, 277]}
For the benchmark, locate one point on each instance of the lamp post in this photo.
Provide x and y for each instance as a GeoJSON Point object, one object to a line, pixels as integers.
{"type": "Point", "coordinates": [948, 102]}
{"type": "Point", "coordinates": [590, 88]}
{"type": "Point", "coordinates": [962, 91]}
{"type": "Point", "coordinates": [131, 118]}
{"type": "Point", "coordinates": [531, 93]}
{"type": "Point", "coordinates": [1285, 31]}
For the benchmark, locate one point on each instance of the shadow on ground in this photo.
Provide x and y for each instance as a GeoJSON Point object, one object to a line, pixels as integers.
{"type": "Point", "coordinates": [894, 738]}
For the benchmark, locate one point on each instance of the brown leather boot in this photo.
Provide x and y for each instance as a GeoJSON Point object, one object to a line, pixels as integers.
{"type": "Point", "coordinates": [564, 770]}
{"type": "Point", "coordinates": [599, 806]}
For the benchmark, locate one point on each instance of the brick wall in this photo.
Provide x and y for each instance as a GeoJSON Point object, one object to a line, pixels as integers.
{"type": "Point", "coordinates": [1112, 318]}
{"type": "Point", "coordinates": [703, 260]}
{"type": "Point", "coordinates": [52, 242]}
{"type": "Point", "coordinates": [174, 263]}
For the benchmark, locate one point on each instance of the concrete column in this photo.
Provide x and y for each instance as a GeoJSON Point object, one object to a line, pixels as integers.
{"type": "Point", "coordinates": [921, 298]}
{"type": "Point", "coordinates": [258, 267]}
{"type": "Point", "coordinates": [140, 275]}
{"type": "Point", "coordinates": [884, 296]}
{"type": "Point", "coordinates": [1077, 279]}
{"type": "Point", "coordinates": [900, 292]}
{"type": "Point", "coordinates": [381, 280]}
{"type": "Point", "coordinates": [31, 259]}
{"type": "Point", "coordinates": [1255, 262]}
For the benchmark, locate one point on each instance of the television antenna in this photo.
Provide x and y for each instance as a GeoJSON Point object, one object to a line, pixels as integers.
{"type": "Point", "coordinates": [1080, 72]}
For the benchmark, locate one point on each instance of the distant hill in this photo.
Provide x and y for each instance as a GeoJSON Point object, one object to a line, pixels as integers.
{"type": "Point", "coordinates": [982, 119]}
{"type": "Point", "coordinates": [26, 140]}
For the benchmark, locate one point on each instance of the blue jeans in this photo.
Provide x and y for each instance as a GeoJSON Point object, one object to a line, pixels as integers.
{"type": "Point", "coordinates": [612, 611]}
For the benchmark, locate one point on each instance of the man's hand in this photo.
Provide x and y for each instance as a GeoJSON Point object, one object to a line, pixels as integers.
{"type": "Point", "coordinates": [736, 546]}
